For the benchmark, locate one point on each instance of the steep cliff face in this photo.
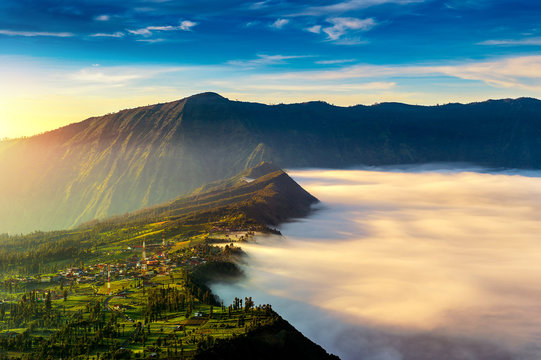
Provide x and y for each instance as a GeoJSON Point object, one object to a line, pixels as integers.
{"type": "Point", "coordinates": [277, 340]}
{"type": "Point", "coordinates": [116, 163]}
{"type": "Point", "coordinates": [139, 157]}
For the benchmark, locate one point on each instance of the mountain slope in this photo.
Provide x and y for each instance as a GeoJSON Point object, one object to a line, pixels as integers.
{"type": "Point", "coordinates": [139, 157]}
{"type": "Point", "coordinates": [178, 239]}
{"type": "Point", "coordinates": [279, 340]}
{"type": "Point", "coordinates": [112, 164]}
{"type": "Point", "coordinates": [270, 197]}
{"type": "Point", "coordinates": [238, 203]}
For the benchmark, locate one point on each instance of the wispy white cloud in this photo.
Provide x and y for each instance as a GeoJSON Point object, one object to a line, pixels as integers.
{"type": "Point", "coordinates": [518, 72]}
{"type": "Point", "coordinates": [349, 5]}
{"type": "Point", "coordinates": [263, 59]}
{"type": "Point", "coordinates": [369, 86]}
{"type": "Point", "coordinates": [35, 33]}
{"type": "Point", "coordinates": [151, 41]}
{"type": "Point", "coordinates": [279, 23]}
{"type": "Point", "coordinates": [144, 9]}
{"type": "Point", "coordinates": [117, 34]}
{"type": "Point", "coordinates": [99, 76]}
{"type": "Point", "coordinates": [103, 17]}
{"type": "Point", "coordinates": [162, 28]}
{"type": "Point", "coordinates": [332, 62]}
{"type": "Point", "coordinates": [252, 23]}
{"type": "Point", "coordinates": [144, 32]}
{"type": "Point", "coordinates": [185, 25]}
{"type": "Point", "coordinates": [511, 42]}
{"type": "Point", "coordinates": [316, 29]}
{"type": "Point", "coordinates": [467, 4]}
{"type": "Point", "coordinates": [356, 40]}
{"type": "Point", "coordinates": [118, 76]}
{"type": "Point", "coordinates": [342, 25]}
{"type": "Point", "coordinates": [259, 5]}
{"type": "Point", "coordinates": [521, 72]}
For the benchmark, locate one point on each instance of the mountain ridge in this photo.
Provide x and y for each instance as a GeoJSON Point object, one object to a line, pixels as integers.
{"type": "Point", "coordinates": [139, 157]}
{"type": "Point", "coordinates": [209, 95]}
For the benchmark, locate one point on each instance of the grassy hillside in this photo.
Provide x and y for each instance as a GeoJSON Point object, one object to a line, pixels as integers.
{"type": "Point", "coordinates": [140, 157]}
{"type": "Point", "coordinates": [54, 301]}
{"type": "Point", "coordinates": [238, 204]}
{"type": "Point", "coordinates": [269, 199]}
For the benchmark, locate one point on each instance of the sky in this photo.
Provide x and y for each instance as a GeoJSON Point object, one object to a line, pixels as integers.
{"type": "Point", "coordinates": [64, 61]}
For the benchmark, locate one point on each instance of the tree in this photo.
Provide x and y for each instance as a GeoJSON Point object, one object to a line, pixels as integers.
{"type": "Point", "coordinates": [48, 302]}
{"type": "Point", "coordinates": [248, 303]}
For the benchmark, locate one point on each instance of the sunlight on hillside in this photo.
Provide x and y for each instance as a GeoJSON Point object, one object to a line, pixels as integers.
{"type": "Point", "coordinates": [38, 113]}
{"type": "Point", "coordinates": [3, 129]}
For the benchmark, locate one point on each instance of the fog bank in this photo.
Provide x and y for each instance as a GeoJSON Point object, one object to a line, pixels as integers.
{"type": "Point", "coordinates": [408, 265]}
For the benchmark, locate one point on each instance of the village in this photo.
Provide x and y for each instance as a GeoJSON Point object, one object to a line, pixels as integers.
{"type": "Point", "coordinates": [152, 291]}
{"type": "Point", "coordinates": [136, 267]}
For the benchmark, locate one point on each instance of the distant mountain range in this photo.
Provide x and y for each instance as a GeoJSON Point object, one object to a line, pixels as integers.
{"type": "Point", "coordinates": [140, 157]}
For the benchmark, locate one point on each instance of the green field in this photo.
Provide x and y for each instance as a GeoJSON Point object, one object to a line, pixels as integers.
{"type": "Point", "coordinates": [89, 293]}
{"type": "Point", "coordinates": [164, 315]}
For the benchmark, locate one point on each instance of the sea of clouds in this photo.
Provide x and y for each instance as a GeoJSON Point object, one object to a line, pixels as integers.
{"type": "Point", "coordinates": [411, 263]}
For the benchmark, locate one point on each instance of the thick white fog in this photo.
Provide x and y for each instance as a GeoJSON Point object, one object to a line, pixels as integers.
{"type": "Point", "coordinates": [408, 265]}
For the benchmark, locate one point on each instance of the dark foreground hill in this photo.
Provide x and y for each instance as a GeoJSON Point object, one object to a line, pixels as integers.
{"type": "Point", "coordinates": [139, 157]}
{"type": "Point", "coordinates": [279, 340]}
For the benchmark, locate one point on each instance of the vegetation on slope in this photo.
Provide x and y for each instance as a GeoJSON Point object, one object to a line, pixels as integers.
{"type": "Point", "coordinates": [55, 301]}
{"type": "Point", "coordinates": [275, 340]}
{"type": "Point", "coordinates": [231, 204]}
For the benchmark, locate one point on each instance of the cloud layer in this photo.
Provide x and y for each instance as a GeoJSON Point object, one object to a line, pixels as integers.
{"type": "Point", "coordinates": [404, 264]}
{"type": "Point", "coordinates": [35, 33]}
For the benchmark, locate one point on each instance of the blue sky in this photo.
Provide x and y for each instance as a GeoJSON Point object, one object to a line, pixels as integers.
{"type": "Point", "coordinates": [62, 61]}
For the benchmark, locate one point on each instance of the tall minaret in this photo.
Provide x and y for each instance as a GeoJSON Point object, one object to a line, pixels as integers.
{"type": "Point", "coordinates": [163, 244]}
{"type": "Point", "coordinates": [108, 280]}
{"type": "Point", "coordinates": [144, 259]}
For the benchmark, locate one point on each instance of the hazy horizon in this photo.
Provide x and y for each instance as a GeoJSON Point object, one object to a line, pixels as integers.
{"type": "Point", "coordinates": [400, 265]}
